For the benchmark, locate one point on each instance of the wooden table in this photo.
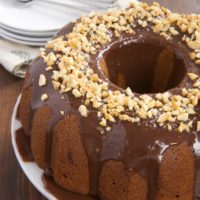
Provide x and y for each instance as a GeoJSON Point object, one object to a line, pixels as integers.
{"type": "Point", "coordinates": [13, 183]}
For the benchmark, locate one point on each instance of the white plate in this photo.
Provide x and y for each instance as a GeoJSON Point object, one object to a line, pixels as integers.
{"type": "Point", "coordinates": [39, 44]}
{"type": "Point", "coordinates": [31, 170]}
{"type": "Point", "coordinates": [37, 17]}
{"type": "Point", "coordinates": [29, 33]}
{"type": "Point", "coordinates": [24, 38]}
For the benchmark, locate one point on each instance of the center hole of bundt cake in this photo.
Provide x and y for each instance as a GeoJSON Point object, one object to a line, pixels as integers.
{"type": "Point", "coordinates": [144, 67]}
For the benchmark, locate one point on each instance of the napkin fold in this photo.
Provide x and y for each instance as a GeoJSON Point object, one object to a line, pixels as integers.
{"type": "Point", "coordinates": [15, 57]}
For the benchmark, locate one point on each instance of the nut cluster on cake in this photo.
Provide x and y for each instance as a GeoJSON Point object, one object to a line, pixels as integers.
{"type": "Point", "coordinates": [71, 54]}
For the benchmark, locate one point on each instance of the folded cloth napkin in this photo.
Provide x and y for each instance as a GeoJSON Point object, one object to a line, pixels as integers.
{"type": "Point", "coordinates": [15, 58]}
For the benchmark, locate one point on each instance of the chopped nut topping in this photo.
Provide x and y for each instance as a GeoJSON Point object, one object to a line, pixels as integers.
{"type": "Point", "coordinates": [62, 112]}
{"type": "Point", "coordinates": [76, 93]}
{"type": "Point", "coordinates": [83, 110]}
{"type": "Point", "coordinates": [56, 84]}
{"type": "Point", "coordinates": [183, 127]}
{"type": "Point", "coordinates": [169, 127]}
{"type": "Point", "coordinates": [198, 126]}
{"type": "Point", "coordinates": [192, 76]}
{"type": "Point", "coordinates": [192, 55]}
{"type": "Point", "coordinates": [129, 92]}
{"type": "Point", "coordinates": [108, 128]}
{"type": "Point", "coordinates": [71, 54]}
{"type": "Point", "coordinates": [48, 68]}
{"type": "Point", "coordinates": [183, 117]}
{"type": "Point", "coordinates": [42, 80]}
{"type": "Point", "coordinates": [44, 97]}
{"type": "Point", "coordinates": [103, 122]}
{"type": "Point", "coordinates": [190, 124]}
{"type": "Point", "coordinates": [194, 44]}
{"type": "Point", "coordinates": [197, 62]}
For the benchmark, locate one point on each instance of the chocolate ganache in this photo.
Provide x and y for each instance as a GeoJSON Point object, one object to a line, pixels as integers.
{"type": "Point", "coordinates": [154, 132]}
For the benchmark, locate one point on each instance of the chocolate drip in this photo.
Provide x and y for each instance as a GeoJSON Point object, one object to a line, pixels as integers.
{"type": "Point", "coordinates": [23, 145]}
{"type": "Point", "coordinates": [149, 169]}
{"type": "Point", "coordinates": [61, 193]}
{"type": "Point", "coordinates": [197, 181]}
{"type": "Point", "coordinates": [92, 140]}
{"type": "Point", "coordinates": [196, 147]}
{"type": "Point", "coordinates": [138, 146]}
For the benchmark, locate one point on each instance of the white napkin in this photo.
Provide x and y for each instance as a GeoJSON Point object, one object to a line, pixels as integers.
{"type": "Point", "coordinates": [15, 58]}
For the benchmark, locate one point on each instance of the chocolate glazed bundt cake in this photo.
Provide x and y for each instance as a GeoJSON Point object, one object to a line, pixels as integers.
{"type": "Point", "coordinates": [111, 105]}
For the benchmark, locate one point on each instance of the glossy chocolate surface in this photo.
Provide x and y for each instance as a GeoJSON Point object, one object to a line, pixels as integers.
{"type": "Point", "coordinates": [61, 193]}
{"type": "Point", "coordinates": [23, 144]}
{"type": "Point", "coordinates": [139, 146]}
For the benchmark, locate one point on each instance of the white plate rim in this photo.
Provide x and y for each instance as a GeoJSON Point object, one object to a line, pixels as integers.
{"type": "Point", "coordinates": [24, 38]}
{"type": "Point", "coordinates": [22, 42]}
{"type": "Point", "coordinates": [26, 32]}
{"type": "Point", "coordinates": [34, 9]}
{"type": "Point", "coordinates": [29, 168]}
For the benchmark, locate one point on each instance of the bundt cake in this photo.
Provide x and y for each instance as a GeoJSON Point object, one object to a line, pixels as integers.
{"type": "Point", "coordinates": [111, 105]}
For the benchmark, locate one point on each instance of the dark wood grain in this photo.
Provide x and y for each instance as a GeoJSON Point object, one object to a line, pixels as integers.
{"type": "Point", "coordinates": [13, 183]}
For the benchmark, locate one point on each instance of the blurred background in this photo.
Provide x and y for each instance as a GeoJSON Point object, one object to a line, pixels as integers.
{"type": "Point", "coordinates": [25, 26]}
